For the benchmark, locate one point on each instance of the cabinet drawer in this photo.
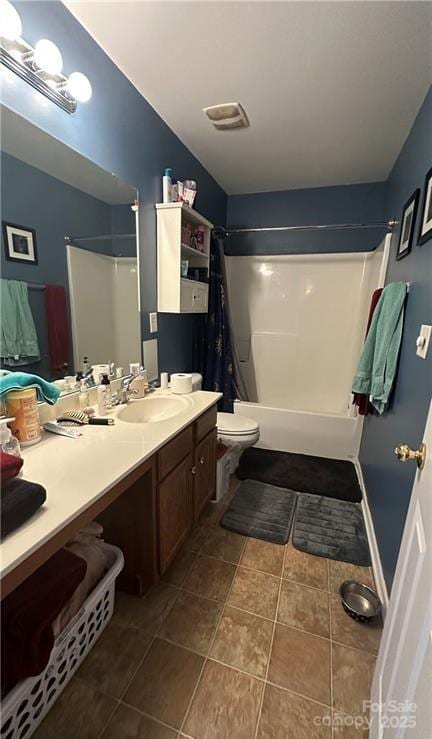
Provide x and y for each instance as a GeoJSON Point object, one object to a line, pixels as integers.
{"type": "Point", "coordinates": [205, 423]}
{"type": "Point", "coordinates": [172, 453]}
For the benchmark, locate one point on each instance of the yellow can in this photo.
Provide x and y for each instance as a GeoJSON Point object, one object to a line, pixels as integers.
{"type": "Point", "coordinates": [22, 405]}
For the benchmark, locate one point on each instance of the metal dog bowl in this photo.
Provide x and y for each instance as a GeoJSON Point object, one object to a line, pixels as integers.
{"type": "Point", "coordinates": [359, 601]}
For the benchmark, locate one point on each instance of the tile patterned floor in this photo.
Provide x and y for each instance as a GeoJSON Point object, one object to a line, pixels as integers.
{"type": "Point", "coordinates": [240, 640]}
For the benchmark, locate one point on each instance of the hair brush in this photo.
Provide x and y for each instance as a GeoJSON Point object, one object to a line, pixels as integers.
{"type": "Point", "coordinates": [78, 418]}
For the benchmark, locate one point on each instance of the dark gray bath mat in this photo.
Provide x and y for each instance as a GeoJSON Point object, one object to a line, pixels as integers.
{"type": "Point", "coordinates": [331, 528]}
{"type": "Point", "coordinates": [262, 511]}
{"type": "Point", "coordinates": [304, 473]}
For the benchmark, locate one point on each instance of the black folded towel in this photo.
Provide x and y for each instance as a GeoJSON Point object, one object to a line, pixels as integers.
{"type": "Point", "coordinates": [19, 500]}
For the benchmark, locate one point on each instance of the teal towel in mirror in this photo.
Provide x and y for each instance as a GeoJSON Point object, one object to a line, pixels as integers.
{"type": "Point", "coordinates": [378, 363]}
{"type": "Point", "coordinates": [23, 380]}
{"type": "Point", "coordinates": [19, 342]}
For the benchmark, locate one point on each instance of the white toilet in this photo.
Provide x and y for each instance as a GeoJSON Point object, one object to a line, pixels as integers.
{"type": "Point", "coordinates": [237, 432]}
{"type": "Point", "coordinates": [233, 430]}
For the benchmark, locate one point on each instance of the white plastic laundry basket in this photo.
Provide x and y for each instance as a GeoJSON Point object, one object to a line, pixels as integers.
{"type": "Point", "coordinates": [29, 701]}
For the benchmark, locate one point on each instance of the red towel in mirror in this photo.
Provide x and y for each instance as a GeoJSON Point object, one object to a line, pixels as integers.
{"type": "Point", "coordinates": [56, 310]}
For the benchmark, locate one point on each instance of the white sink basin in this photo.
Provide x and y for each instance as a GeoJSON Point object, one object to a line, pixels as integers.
{"type": "Point", "coordinates": [155, 408]}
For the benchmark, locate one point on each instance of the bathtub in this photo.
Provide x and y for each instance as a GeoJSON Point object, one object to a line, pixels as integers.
{"type": "Point", "coordinates": [304, 432]}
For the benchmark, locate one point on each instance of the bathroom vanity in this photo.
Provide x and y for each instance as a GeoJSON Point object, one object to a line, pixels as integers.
{"type": "Point", "coordinates": [147, 482]}
{"type": "Point", "coordinates": [152, 519]}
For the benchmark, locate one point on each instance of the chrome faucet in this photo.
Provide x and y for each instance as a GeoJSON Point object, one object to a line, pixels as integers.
{"type": "Point", "coordinates": [124, 393]}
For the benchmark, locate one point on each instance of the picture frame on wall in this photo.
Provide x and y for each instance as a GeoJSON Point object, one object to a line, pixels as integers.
{"type": "Point", "coordinates": [425, 229]}
{"type": "Point", "coordinates": [408, 220]}
{"type": "Point", "coordinates": [20, 243]}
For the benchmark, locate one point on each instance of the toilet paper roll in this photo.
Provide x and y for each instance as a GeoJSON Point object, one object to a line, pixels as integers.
{"type": "Point", "coordinates": [181, 383]}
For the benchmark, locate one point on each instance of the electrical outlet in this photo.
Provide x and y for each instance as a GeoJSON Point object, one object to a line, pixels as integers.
{"type": "Point", "coordinates": [153, 323]}
{"type": "Point", "coordinates": [422, 341]}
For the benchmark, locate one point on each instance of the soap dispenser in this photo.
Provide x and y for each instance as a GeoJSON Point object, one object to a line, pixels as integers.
{"type": "Point", "coordinates": [8, 442]}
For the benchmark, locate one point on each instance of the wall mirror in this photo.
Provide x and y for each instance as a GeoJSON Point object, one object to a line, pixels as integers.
{"type": "Point", "coordinates": [69, 248]}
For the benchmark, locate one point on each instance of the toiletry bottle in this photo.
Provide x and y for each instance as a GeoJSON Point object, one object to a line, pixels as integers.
{"type": "Point", "coordinates": [200, 236]}
{"type": "Point", "coordinates": [22, 406]}
{"type": "Point", "coordinates": [189, 192]}
{"type": "Point", "coordinates": [8, 442]}
{"type": "Point", "coordinates": [85, 365]}
{"type": "Point", "coordinates": [107, 385]}
{"type": "Point", "coordinates": [84, 396]}
{"type": "Point", "coordinates": [167, 186]}
{"type": "Point", "coordinates": [101, 404]}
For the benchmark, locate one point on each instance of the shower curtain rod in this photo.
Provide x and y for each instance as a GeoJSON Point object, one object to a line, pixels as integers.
{"type": "Point", "coordinates": [220, 231]}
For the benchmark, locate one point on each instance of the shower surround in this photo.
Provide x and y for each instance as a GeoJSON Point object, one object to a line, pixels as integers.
{"type": "Point", "coordinates": [299, 323]}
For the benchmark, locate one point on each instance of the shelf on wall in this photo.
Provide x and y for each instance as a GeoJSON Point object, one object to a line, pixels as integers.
{"type": "Point", "coordinates": [191, 253]}
{"type": "Point", "coordinates": [178, 294]}
{"type": "Point", "coordinates": [190, 215]}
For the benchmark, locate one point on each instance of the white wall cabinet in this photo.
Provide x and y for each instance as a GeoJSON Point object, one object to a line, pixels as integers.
{"type": "Point", "coordinates": [177, 294]}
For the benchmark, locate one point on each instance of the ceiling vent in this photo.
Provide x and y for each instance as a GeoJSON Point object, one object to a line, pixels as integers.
{"type": "Point", "coordinates": [227, 116]}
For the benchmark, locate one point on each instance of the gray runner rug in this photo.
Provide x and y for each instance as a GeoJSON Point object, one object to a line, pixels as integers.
{"type": "Point", "coordinates": [331, 528]}
{"type": "Point", "coordinates": [261, 511]}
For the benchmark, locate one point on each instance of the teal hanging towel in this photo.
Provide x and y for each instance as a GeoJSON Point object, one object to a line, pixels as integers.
{"type": "Point", "coordinates": [24, 380]}
{"type": "Point", "coordinates": [19, 343]}
{"type": "Point", "coordinates": [377, 366]}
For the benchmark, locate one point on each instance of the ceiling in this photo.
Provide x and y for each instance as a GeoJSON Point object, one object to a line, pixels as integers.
{"type": "Point", "coordinates": [331, 88]}
{"type": "Point", "coordinates": [27, 142]}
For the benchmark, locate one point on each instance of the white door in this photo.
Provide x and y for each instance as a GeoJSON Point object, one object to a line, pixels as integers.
{"type": "Point", "coordinates": [402, 684]}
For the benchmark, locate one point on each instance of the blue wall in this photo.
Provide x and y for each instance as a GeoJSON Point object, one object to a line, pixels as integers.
{"type": "Point", "coordinates": [321, 205]}
{"type": "Point", "coordinates": [389, 482]}
{"type": "Point", "coordinates": [122, 133]}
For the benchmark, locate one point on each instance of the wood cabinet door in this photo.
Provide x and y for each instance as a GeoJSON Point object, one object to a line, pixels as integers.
{"type": "Point", "coordinates": [205, 472]}
{"type": "Point", "coordinates": [175, 511]}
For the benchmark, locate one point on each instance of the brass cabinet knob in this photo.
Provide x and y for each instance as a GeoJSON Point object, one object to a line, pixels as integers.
{"type": "Point", "coordinates": [202, 460]}
{"type": "Point", "coordinates": [193, 470]}
{"type": "Point", "coordinates": [404, 453]}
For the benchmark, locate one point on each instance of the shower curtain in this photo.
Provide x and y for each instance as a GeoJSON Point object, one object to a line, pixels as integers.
{"type": "Point", "coordinates": [219, 363]}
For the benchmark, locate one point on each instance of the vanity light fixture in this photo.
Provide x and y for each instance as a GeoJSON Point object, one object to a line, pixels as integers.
{"type": "Point", "coordinates": [40, 66]}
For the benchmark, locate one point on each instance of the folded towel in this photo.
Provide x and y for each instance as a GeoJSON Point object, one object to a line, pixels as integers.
{"type": "Point", "coordinates": [378, 363]}
{"type": "Point", "coordinates": [10, 465]}
{"type": "Point", "coordinates": [57, 326]}
{"type": "Point", "coordinates": [19, 342]}
{"type": "Point", "coordinates": [19, 500]}
{"type": "Point", "coordinates": [27, 616]}
{"type": "Point", "coordinates": [22, 380]}
{"type": "Point", "coordinates": [90, 548]}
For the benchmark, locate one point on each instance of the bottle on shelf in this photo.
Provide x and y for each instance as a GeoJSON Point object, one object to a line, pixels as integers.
{"type": "Point", "coordinates": [167, 186]}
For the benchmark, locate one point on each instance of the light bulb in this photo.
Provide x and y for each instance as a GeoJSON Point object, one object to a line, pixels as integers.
{"type": "Point", "coordinates": [10, 22]}
{"type": "Point", "coordinates": [78, 85]}
{"type": "Point", "coordinates": [47, 56]}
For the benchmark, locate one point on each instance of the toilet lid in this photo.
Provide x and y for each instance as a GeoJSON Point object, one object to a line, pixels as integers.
{"type": "Point", "coordinates": [233, 424]}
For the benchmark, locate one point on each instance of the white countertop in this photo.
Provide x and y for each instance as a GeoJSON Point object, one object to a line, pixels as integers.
{"type": "Point", "coordinates": [76, 472]}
